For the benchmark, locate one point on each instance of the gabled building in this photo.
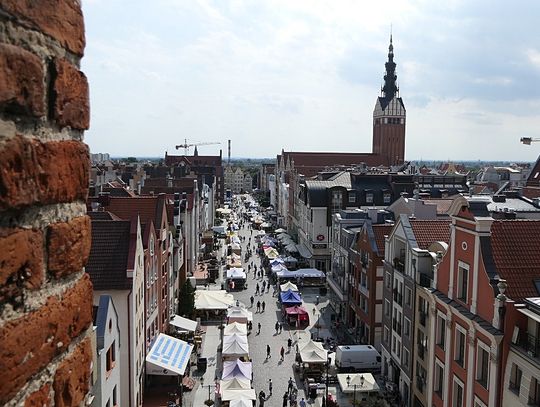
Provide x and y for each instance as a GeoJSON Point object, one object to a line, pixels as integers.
{"type": "Point", "coordinates": [116, 268]}
{"type": "Point", "coordinates": [483, 314]}
{"type": "Point", "coordinates": [107, 389]}
{"type": "Point", "coordinates": [410, 248]}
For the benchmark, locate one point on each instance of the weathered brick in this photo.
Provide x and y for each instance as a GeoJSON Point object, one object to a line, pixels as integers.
{"type": "Point", "coordinates": [68, 246]}
{"type": "Point", "coordinates": [22, 86]}
{"type": "Point", "coordinates": [60, 19]}
{"type": "Point", "coordinates": [32, 341]}
{"type": "Point", "coordinates": [21, 263]}
{"type": "Point", "coordinates": [71, 99]}
{"type": "Point", "coordinates": [72, 378]}
{"type": "Point", "coordinates": [33, 172]}
{"type": "Point", "coordinates": [39, 398]}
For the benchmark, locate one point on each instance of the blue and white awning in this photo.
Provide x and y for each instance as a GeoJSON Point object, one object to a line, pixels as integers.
{"type": "Point", "coordinates": [168, 356]}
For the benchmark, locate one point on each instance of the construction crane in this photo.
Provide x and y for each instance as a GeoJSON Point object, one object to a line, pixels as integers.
{"type": "Point", "coordinates": [528, 140]}
{"type": "Point", "coordinates": [187, 145]}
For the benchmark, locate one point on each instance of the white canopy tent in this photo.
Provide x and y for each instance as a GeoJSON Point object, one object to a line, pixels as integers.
{"type": "Point", "coordinates": [241, 403]}
{"type": "Point", "coordinates": [313, 352]}
{"type": "Point", "coordinates": [184, 324]}
{"type": "Point", "coordinates": [239, 314]}
{"type": "Point", "coordinates": [237, 394]}
{"type": "Point", "coordinates": [213, 299]}
{"type": "Point", "coordinates": [236, 273]}
{"type": "Point", "coordinates": [168, 356]}
{"type": "Point", "coordinates": [237, 368]}
{"type": "Point", "coordinates": [235, 328]}
{"type": "Point", "coordinates": [235, 346]}
{"type": "Point", "coordinates": [364, 383]}
{"type": "Point", "coordinates": [234, 384]}
{"type": "Point", "coordinates": [288, 286]}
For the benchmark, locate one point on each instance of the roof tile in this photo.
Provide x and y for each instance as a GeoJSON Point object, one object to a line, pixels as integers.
{"type": "Point", "coordinates": [427, 232]}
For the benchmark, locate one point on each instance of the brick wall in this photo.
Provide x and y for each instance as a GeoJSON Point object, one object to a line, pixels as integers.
{"type": "Point", "coordinates": [45, 297]}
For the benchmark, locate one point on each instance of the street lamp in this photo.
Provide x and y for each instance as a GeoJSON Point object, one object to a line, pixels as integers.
{"type": "Point", "coordinates": [348, 379]}
{"type": "Point", "coordinates": [328, 361]}
{"type": "Point", "coordinates": [209, 401]}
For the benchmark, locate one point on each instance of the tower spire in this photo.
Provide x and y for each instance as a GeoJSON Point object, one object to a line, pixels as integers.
{"type": "Point", "coordinates": [390, 88]}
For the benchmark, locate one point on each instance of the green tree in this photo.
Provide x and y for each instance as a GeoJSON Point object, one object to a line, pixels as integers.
{"type": "Point", "coordinates": [186, 300]}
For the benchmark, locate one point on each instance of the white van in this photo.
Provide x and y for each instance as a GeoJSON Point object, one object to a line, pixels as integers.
{"type": "Point", "coordinates": [350, 358]}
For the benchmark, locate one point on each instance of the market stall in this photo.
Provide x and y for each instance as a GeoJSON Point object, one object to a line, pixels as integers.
{"type": "Point", "coordinates": [235, 328]}
{"type": "Point", "coordinates": [235, 346]}
{"type": "Point", "coordinates": [290, 298]}
{"type": "Point", "coordinates": [297, 316]}
{"type": "Point", "coordinates": [239, 314]}
{"type": "Point", "coordinates": [237, 368]}
{"type": "Point", "coordinates": [288, 286]}
{"type": "Point", "coordinates": [236, 278]}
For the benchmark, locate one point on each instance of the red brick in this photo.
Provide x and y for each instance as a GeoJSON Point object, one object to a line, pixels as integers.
{"type": "Point", "coordinates": [32, 341]}
{"type": "Point", "coordinates": [72, 378]}
{"type": "Point", "coordinates": [21, 263]}
{"type": "Point", "coordinates": [33, 172]}
{"type": "Point", "coordinates": [68, 246]}
{"type": "Point", "coordinates": [39, 398]}
{"type": "Point", "coordinates": [22, 86]}
{"type": "Point", "coordinates": [59, 19]}
{"type": "Point", "coordinates": [71, 105]}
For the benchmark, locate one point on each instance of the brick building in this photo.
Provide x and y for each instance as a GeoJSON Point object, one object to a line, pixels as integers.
{"type": "Point", "coordinates": [46, 312]}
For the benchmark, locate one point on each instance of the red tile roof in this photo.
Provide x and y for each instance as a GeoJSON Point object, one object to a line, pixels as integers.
{"type": "Point", "coordinates": [317, 159]}
{"type": "Point", "coordinates": [380, 231]}
{"type": "Point", "coordinates": [515, 247]}
{"type": "Point", "coordinates": [427, 232]}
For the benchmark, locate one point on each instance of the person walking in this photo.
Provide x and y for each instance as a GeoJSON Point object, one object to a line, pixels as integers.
{"type": "Point", "coordinates": [268, 355]}
{"type": "Point", "coordinates": [280, 327]}
{"type": "Point", "coordinates": [289, 345]}
{"type": "Point", "coordinates": [262, 398]}
{"type": "Point", "coordinates": [285, 400]}
{"type": "Point", "coordinates": [282, 353]}
{"type": "Point", "coordinates": [258, 306]}
{"type": "Point", "coordinates": [263, 286]}
{"type": "Point", "coordinates": [277, 327]}
{"type": "Point", "coordinates": [263, 306]}
{"type": "Point", "coordinates": [290, 385]}
{"type": "Point", "coordinates": [258, 328]}
{"type": "Point", "coordinates": [269, 387]}
{"type": "Point", "coordinates": [302, 403]}
{"type": "Point", "coordinates": [257, 293]}
{"type": "Point", "coordinates": [252, 299]}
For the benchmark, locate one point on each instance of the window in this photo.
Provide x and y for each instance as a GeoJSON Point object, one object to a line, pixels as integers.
{"type": "Point", "coordinates": [458, 394]}
{"type": "Point", "coordinates": [459, 349]}
{"type": "Point", "coordinates": [337, 201]}
{"type": "Point", "coordinates": [407, 327]}
{"type": "Point", "coordinates": [387, 197]}
{"type": "Point", "coordinates": [111, 358]}
{"type": "Point", "coordinates": [352, 198]}
{"type": "Point", "coordinates": [408, 296]}
{"type": "Point", "coordinates": [115, 401]}
{"type": "Point", "coordinates": [515, 378]}
{"type": "Point", "coordinates": [388, 280]}
{"type": "Point", "coordinates": [482, 365]}
{"type": "Point", "coordinates": [463, 281]}
{"type": "Point", "coordinates": [440, 331]}
{"type": "Point", "coordinates": [421, 343]}
{"type": "Point", "coordinates": [387, 308]}
{"type": "Point", "coordinates": [534, 392]}
{"type": "Point", "coordinates": [406, 358]}
{"type": "Point", "coordinates": [386, 334]}
{"type": "Point", "coordinates": [439, 379]}
{"type": "Point", "coordinates": [369, 197]}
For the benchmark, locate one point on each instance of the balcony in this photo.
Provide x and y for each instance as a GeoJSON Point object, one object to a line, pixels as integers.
{"type": "Point", "coordinates": [530, 344]}
{"type": "Point", "coordinates": [399, 264]}
{"type": "Point", "coordinates": [424, 280]}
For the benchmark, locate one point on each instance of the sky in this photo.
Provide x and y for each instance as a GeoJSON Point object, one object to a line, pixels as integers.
{"type": "Point", "coordinates": [304, 75]}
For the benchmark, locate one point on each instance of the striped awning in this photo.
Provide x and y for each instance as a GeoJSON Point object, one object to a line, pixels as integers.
{"type": "Point", "coordinates": [168, 355]}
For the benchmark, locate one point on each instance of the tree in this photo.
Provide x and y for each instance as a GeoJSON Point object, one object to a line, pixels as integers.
{"type": "Point", "coordinates": [186, 300]}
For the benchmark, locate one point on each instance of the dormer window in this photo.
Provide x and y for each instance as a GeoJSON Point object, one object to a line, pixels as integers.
{"type": "Point", "coordinates": [369, 197]}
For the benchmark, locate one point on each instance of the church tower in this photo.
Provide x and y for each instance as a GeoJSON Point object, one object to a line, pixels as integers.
{"type": "Point", "coordinates": [389, 118]}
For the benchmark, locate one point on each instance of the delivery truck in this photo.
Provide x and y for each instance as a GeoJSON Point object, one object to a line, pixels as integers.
{"type": "Point", "coordinates": [357, 358]}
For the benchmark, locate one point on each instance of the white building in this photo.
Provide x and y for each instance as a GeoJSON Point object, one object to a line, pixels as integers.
{"type": "Point", "coordinates": [116, 268]}
{"type": "Point", "coordinates": [106, 390]}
